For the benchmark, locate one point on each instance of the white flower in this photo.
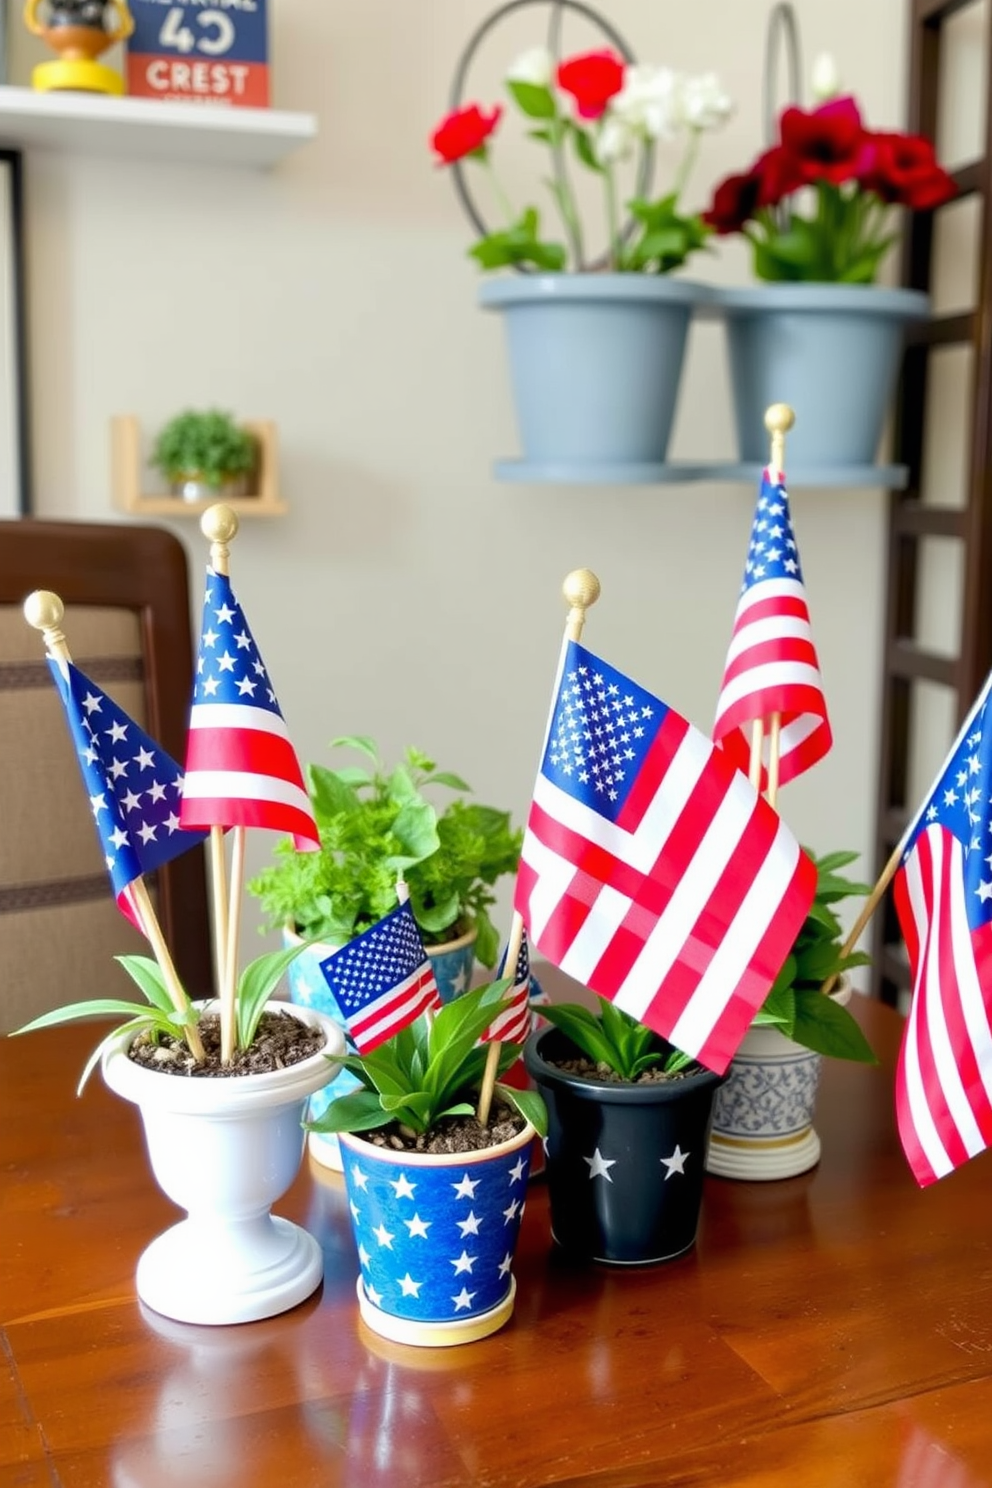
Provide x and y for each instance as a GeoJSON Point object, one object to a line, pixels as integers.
{"type": "Point", "coordinates": [825, 79]}
{"type": "Point", "coordinates": [615, 140]}
{"type": "Point", "coordinates": [704, 103]}
{"type": "Point", "coordinates": [536, 67]}
{"type": "Point", "coordinates": [649, 102]}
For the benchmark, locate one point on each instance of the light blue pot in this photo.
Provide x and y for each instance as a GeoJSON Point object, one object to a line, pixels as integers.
{"type": "Point", "coordinates": [831, 351]}
{"type": "Point", "coordinates": [452, 965]}
{"type": "Point", "coordinates": [595, 362]}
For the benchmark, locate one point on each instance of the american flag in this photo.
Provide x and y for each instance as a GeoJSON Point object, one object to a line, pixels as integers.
{"type": "Point", "coordinates": [943, 897]}
{"type": "Point", "coordinates": [134, 786]}
{"type": "Point", "coordinates": [651, 872]}
{"type": "Point", "coordinates": [382, 980]}
{"type": "Point", "coordinates": [514, 1023]}
{"type": "Point", "coordinates": [241, 768]}
{"type": "Point", "coordinates": [772, 665]}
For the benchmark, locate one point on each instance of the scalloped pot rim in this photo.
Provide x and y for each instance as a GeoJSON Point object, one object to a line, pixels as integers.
{"type": "Point", "coordinates": [220, 1097]}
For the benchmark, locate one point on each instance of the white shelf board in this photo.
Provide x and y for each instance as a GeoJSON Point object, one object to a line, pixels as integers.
{"type": "Point", "coordinates": [145, 129]}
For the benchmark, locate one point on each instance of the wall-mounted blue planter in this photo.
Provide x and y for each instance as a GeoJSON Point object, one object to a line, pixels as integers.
{"type": "Point", "coordinates": [595, 362]}
{"type": "Point", "coordinates": [831, 351]}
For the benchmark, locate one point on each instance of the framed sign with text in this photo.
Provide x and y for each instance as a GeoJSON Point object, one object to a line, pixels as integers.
{"type": "Point", "coordinates": [200, 51]}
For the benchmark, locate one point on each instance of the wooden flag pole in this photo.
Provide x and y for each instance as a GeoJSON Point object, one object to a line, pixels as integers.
{"type": "Point", "coordinates": [779, 419]}
{"type": "Point", "coordinates": [44, 611]}
{"type": "Point", "coordinates": [581, 590]}
{"type": "Point", "coordinates": [219, 525]}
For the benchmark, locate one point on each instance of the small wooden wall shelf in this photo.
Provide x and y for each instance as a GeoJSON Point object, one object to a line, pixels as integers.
{"type": "Point", "coordinates": [128, 465]}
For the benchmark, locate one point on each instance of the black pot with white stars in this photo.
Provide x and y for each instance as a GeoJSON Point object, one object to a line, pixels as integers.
{"type": "Point", "coordinates": [625, 1162]}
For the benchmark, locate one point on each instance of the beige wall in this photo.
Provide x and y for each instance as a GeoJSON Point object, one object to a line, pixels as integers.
{"type": "Point", "coordinates": [407, 594]}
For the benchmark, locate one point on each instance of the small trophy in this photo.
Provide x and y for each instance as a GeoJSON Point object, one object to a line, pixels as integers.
{"type": "Point", "coordinates": [79, 30]}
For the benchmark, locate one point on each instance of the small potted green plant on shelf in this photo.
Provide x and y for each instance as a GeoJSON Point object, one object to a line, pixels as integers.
{"type": "Point", "coordinates": [375, 824]}
{"type": "Point", "coordinates": [205, 455]}
{"type": "Point", "coordinates": [428, 1155]}
{"type": "Point", "coordinates": [763, 1115]}
{"type": "Point", "coordinates": [628, 1118]}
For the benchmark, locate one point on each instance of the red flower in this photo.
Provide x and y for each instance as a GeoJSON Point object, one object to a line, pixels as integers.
{"type": "Point", "coordinates": [734, 201]}
{"type": "Point", "coordinates": [828, 144]}
{"type": "Point", "coordinates": [463, 133]}
{"type": "Point", "coordinates": [779, 174]}
{"type": "Point", "coordinates": [903, 169]}
{"type": "Point", "coordinates": [592, 79]}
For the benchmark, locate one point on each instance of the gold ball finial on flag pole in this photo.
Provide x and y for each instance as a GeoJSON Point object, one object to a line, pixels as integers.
{"type": "Point", "coordinates": [779, 419]}
{"type": "Point", "coordinates": [581, 589]}
{"type": "Point", "coordinates": [219, 525]}
{"type": "Point", "coordinates": [44, 611]}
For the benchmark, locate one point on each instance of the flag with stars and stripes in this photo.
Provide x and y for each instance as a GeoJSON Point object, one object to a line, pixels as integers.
{"type": "Point", "coordinates": [241, 768]}
{"type": "Point", "coordinates": [943, 898]}
{"type": "Point", "coordinates": [382, 980]}
{"type": "Point", "coordinates": [134, 786]}
{"type": "Point", "coordinates": [772, 665]}
{"type": "Point", "coordinates": [651, 871]}
{"type": "Point", "coordinates": [513, 1024]}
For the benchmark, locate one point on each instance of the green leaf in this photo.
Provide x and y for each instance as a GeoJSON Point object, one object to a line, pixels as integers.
{"type": "Point", "coordinates": [147, 976]}
{"type": "Point", "coordinates": [415, 828]}
{"type": "Point", "coordinates": [329, 794]}
{"type": "Point", "coordinates": [823, 1025]}
{"type": "Point", "coordinates": [99, 1007]}
{"type": "Point", "coordinates": [530, 1105]}
{"type": "Point", "coordinates": [533, 100]}
{"type": "Point", "coordinates": [359, 1110]}
{"type": "Point", "coordinates": [445, 777]}
{"type": "Point", "coordinates": [256, 984]}
{"type": "Point", "coordinates": [362, 742]}
{"type": "Point", "coordinates": [584, 148]}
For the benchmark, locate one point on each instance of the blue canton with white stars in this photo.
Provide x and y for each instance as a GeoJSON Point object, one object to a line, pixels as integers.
{"type": "Point", "coordinates": [772, 551]}
{"type": "Point", "coordinates": [602, 727]}
{"type": "Point", "coordinates": [961, 802]}
{"type": "Point", "coordinates": [436, 1243]}
{"type": "Point", "coordinates": [229, 668]}
{"type": "Point", "coordinates": [133, 785]}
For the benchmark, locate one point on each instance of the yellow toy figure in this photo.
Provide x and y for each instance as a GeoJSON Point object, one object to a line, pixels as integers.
{"type": "Point", "coordinates": [78, 31]}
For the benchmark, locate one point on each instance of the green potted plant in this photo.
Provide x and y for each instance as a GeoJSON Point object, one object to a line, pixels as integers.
{"type": "Point", "coordinates": [628, 1117]}
{"type": "Point", "coordinates": [609, 297]}
{"type": "Point", "coordinates": [205, 454]}
{"type": "Point", "coordinates": [763, 1115]}
{"type": "Point", "coordinates": [375, 824]}
{"type": "Point", "coordinates": [436, 1179]}
{"type": "Point", "coordinates": [817, 210]}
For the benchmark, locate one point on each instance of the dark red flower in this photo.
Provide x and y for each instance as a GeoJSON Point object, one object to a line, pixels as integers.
{"type": "Point", "coordinates": [463, 132]}
{"type": "Point", "coordinates": [829, 143]}
{"type": "Point", "coordinates": [903, 169]}
{"type": "Point", "coordinates": [779, 174]}
{"type": "Point", "coordinates": [733, 204]}
{"type": "Point", "coordinates": [592, 79]}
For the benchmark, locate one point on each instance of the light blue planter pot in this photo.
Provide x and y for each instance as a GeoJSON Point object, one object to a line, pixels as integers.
{"type": "Point", "coordinates": [452, 966]}
{"type": "Point", "coordinates": [595, 362]}
{"type": "Point", "coordinates": [831, 351]}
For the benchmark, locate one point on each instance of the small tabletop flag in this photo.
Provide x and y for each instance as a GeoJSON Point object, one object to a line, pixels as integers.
{"type": "Point", "coordinates": [651, 871]}
{"type": "Point", "coordinates": [514, 1023]}
{"type": "Point", "coordinates": [241, 768]}
{"type": "Point", "coordinates": [382, 980]}
{"type": "Point", "coordinates": [772, 665]}
{"type": "Point", "coordinates": [134, 786]}
{"type": "Point", "coordinates": [943, 897]}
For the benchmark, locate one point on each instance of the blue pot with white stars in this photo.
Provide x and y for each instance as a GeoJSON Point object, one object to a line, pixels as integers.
{"type": "Point", "coordinates": [625, 1162]}
{"type": "Point", "coordinates": [436, 1235]}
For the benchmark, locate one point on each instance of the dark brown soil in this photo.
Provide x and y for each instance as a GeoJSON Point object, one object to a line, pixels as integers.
{"type": "Point", "coordinates": [587, 1069]}
{"type": "Point", "coordinates": [453, 1134]}
{"type": "Point", "coordinates": [281, 1040]}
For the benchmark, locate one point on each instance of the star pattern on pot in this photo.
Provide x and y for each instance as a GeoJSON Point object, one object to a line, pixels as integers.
{"type": "Point", "coordinates": [599, 1166]}
{"type": "Point", "coordinates": [436, 1242]}
{"type": "Point", "coordinates": [676, 1163]}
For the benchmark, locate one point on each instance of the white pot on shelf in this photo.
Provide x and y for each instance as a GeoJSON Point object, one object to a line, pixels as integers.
{"type": "Point", "coordinates": [225, 1149]}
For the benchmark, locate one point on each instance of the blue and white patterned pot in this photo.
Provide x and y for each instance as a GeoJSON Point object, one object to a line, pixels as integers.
{"type": "Point", "coordinates": [763, 1115]}
{"type": "Point", "coordinates": [436, 1235]}
{"type": "Point", "coordinates": [452, 965]}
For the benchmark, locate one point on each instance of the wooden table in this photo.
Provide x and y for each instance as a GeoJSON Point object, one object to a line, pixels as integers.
{"type": "Point", "coordinates": [829, 1331]}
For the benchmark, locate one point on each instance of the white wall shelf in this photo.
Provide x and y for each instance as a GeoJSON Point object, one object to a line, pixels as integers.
{"type": "Point", "coordinates": [127, 463]}
{"type": "Point", "coordinates": [144, 129]}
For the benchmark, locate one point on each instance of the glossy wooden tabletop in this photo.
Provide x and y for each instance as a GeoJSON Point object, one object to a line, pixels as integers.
{"type": "Point", "coordinates": [829, 1330]}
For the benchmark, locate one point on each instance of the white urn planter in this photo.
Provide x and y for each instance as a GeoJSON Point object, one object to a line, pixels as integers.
{"type": "Point", "coordinates": [225, 1149]}
{"type": "Point", "coordinates": [763, 1114]}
